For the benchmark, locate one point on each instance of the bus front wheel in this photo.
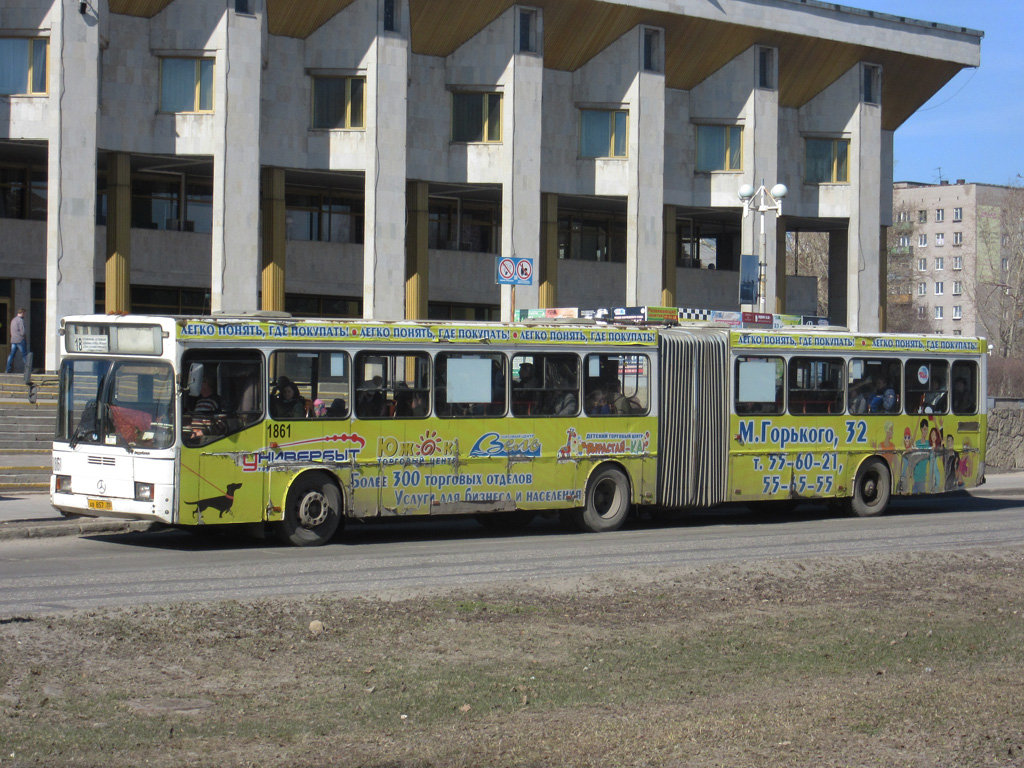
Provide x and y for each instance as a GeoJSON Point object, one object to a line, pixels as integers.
{"type": "Point", "coordinates": [607, 502]}
{"type": "Point", "coordinates": [871, 489]}
{"type": "Point", "coordinates": [312, 513]}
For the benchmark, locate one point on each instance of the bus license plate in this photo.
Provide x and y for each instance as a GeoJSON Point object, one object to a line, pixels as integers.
{"type": "Point", "coordinates": [101, 504]}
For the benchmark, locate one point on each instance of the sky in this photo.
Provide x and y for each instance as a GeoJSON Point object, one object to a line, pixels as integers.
{"type": "Point", "coordinates": [973, 128]}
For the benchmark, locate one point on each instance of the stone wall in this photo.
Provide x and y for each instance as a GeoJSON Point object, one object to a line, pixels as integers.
{"type": "Point", "coordinates": [1005, 449]}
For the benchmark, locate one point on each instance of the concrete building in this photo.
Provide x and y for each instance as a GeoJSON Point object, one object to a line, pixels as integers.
{"type": "Point", "coordinates": [373, 157]}
{"type": "Point", "coordinates": [962, 263]}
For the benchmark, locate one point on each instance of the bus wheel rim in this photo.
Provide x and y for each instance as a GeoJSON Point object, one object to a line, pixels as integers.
{"type": "Point", "coordinates": [313, 510]}
{"type": "Point", "coordinates": [606, 498]}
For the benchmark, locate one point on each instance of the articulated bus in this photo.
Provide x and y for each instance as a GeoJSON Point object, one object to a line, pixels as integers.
{"type": "Point", "coordinates": [299, 424]}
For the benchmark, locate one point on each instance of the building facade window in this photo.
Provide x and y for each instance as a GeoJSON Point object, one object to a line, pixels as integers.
{"type": "Point", "coordinates": [23, 193]}
{"type": "Point", "coordinates": [958, 287]}
{"type": "Point", "coordinates": [921, 312]}
{"type": "Point", "coordinates": [457, 226]}
{"type": "Point", "coordinates": [324, 216]}
{"type": "Point", "coordinates": [922, 289]}
{"type": "Point", "coordinates": [940, 239]}
{"type": "Point", "coordinates": [939, 288]}
{"type": "Point", "coordinates": [339, 102]}
{"type": "Point", "coordinates": [903, 217]}
{"type": "Point", "coordinates": [958, 262]}
{"type": "Point", "coordinates": [958, 238]}
{"type": "Point", "coordinates": [476, 117]}
{"type": "Point", "coordinates": [183, 204]}
{"type": "Point", "coordinates": [23, 65]}
{"type": "Point", "coordinates": [940, 215]}
{"type": "Point", "coordinates": [922, 265]}
{"type": "Point", "coordinates": [938, 313]}
{"type": "Point", "coordinates": [922, 241]}
{"type": "Point", "coordinates": [186, 85]}
{"type": "Point", "coordinates": [603, 132]}
{"type": "Point", "coordinates": [940, 263]}
{"type": "Point", "coordinates": [957, 332]}
{"type": "Point", "coordinates": [958, 214]}
{"type": "Point", "coordinates": [766, 68]}
{"type": "Point", "coordinates": [592, 236]}
{"type": "Point", "coordinates": [652, 50]}
{"type": "Point", "coordinates": [528, 30]}
{"type": "Point", "coordinates": [904, 241]}
{"type": "Point", "coordinates": [1005, 265]}
{"type": "Point", "coordinates": [827, 161]}
{"type": "Point", "coordinates": [390, 20]}
{"type": "Point", "coordinates": [872, 87]}
{"type": "Point", "coordinates": [922, 217]}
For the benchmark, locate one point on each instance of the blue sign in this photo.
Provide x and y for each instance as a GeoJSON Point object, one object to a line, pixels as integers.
{"type": "Point", "coordinates": [513, 271]}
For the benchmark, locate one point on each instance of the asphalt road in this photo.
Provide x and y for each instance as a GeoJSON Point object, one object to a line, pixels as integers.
{"type": "Point", "coordinates": [66, 573]}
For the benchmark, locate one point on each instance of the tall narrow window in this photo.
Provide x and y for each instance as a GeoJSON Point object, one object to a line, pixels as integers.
{"type": "Point", "coordinates": [958, 214]}
{"type": "Point", "coordinates": [390, 24]}
{"type": "Point", "coordinates": [958, 238]}
{"type": "Point", "coordinates": [652, 50]}
{"type": "Point", "coordinates": [872, 84]}
{"type": "Point", "coordinates": [243, 6]}
{"type": "Point", "coordinates": [766, 68]}
{"type": "Point", "coordinates": [719, 148]}
{"type": "Point", "coordinates": [476, 117]}
{"type": "Point", "coordinates": [22, 65]}
{"type": "Point", "coordinates": [339, 102]}
{"type": "Point", "coordinates": [828, 161]}
{"type": "Point", "coordinates": [186, 85]}
{"type": "Point", "coordinates": [603, 132]}
{"type": "Point", "coordinates": [528, 31]}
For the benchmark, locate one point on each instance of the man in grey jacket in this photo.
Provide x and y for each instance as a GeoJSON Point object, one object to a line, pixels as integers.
{"type": "Point", "coordinates": [18, 343]}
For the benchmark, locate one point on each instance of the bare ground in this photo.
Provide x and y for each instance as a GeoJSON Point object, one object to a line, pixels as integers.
{"type": "Point", "coordinates": [911, 660]}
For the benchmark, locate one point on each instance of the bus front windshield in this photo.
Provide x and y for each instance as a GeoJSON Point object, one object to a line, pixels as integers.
{"type": "Point", "coordinates": [127, 403]}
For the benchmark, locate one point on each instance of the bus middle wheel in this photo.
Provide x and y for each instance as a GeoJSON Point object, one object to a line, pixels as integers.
{"type": "Point", "coordinates": [607, 502]}
{"type": "Point", "coordinates": [871, 489]}
{"type": "Point", "coordinates": [312, 513]}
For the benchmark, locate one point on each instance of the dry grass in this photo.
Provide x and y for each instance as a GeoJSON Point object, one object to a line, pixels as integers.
{"type": "Point", "coordinates": [884, 661]}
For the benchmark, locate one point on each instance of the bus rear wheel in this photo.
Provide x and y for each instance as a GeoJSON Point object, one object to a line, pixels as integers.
{"type": "Point", "coordinates": [607, 502]}
{"type": "Point", "coordinates": [312, 514]}
{"type": "Point", "coordinates": [871, 489]}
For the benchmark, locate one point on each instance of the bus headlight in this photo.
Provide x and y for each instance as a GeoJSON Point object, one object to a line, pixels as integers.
{"type": "Point", "coordinates": [143, 491]}
{"type": "Point", "coordinates": [63, 484]}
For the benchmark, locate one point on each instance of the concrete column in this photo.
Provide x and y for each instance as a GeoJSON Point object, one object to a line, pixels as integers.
{"type": "Point", "coordinates": [645, 203]}
{"type": "Point", "coordinates": [520, 195]}
{"type": "Point", "coordinates": [838, 248]}
{"type": "Point", "coordinates": [119, 240]}
{"type": "Point", "coordinates": [417, 261]}
{"type": "Point", "coordinates": [763, 124]}
{"type": "Point", "coordinates": [670, 245]}
{"type": "Point", "coordinates": [883, 280]}
{"type": "Point", "coordinates": [235, 241]}
{"type": "Point", "coordinates": [71, 200]}
{"type": "Point", "coordinates": [863, 258]}
{"type": "Point", "coordinates": [274, 242]}
{"type": "Point", "coordinates": [384, 251]}
{"type": "Point", "coordinates": [547, 274]}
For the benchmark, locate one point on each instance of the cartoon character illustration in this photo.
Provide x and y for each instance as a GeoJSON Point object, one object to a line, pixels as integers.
{"type": "Point", "coordinates": [964, 468]}
{"type": "Point", "coordinates": [952, 465]}
{"type": "Point", "coordinates": [908, 443]}
{"type": "Point", "coordinates": [887, 448]}
{"type": "Point", "coordinates": [221, 503]}
{"type": "Point", "coordinates": [935, 452]}
{"type": "Point", "coordinates": [921, 459]}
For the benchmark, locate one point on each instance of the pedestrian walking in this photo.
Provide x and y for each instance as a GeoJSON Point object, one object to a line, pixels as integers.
{"type": "Point", "coordinates": [18, 342]}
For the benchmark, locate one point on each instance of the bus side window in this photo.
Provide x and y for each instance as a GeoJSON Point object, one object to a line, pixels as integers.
{"type": "Point", "coordinates": [616, 385]}
{"type": "Point", "coordinates": [759, 385]}
{"type": "Point", "coordinates": [392, 386]}
{"type": "Point", "coordinates": [814, 385]}
{"type": "Point", "coordinates": [927, 386]}
{"type": "Point", "coordinates": [469, 384]}
{"type": "Point", "coordinates": [965, 387]}
{"type": "Point", "coordinates": [546, 385]}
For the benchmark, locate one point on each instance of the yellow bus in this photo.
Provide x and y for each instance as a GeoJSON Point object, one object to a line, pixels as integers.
{"type": "Point", "coordinates": [299, 424]}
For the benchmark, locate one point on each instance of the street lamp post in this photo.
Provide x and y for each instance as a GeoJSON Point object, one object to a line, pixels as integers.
{"type": "Point", "coordinates": [761, 200]}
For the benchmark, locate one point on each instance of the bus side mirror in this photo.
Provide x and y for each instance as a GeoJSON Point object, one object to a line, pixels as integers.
{"type": "Point", "coordinates": [195, 379]}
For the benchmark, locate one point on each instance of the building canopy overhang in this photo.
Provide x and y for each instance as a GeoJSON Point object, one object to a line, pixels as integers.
{"type": "Point", "coordinates": [818, 42]}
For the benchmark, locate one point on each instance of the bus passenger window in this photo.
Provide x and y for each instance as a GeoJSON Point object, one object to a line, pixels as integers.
{"type": "Point", "coordinates": [469, 384]}
{"type": "Point", "coordinates": [759, 385]}
{"type": "Point", "coordinates": [231, 397]}
{"type": "Point", "coordinates": [616, 385]}
{"type": "Point", "coordinates": [815, 385]}
{"type": "Point", "coordinates": [927, 386]}
{"type": "Point", "coordinates": [392, 386]}
{"type": "Point", "coordinates": [310, 384]}
{"type": "Point", "coordinates": [965, 387]}
{"type": "Point", "coordinates": [546, 385]}
{"type": "Point", "coordinates": [873, 385]}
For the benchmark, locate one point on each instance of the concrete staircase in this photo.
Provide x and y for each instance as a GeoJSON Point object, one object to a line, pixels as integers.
{"type": "Point", "coordinates": [26, 433]}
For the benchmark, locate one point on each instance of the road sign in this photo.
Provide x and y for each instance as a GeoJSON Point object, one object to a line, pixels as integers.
{"type": "Point", "coordinates": [514, 271]}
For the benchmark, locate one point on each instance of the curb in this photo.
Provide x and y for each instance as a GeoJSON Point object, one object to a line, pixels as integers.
{"type": "Point", "coordinates": [34, 529]}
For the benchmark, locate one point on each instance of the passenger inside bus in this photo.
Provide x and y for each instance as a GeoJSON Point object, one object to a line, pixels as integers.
{"type": "Point", "coordinates": [287, 403]}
